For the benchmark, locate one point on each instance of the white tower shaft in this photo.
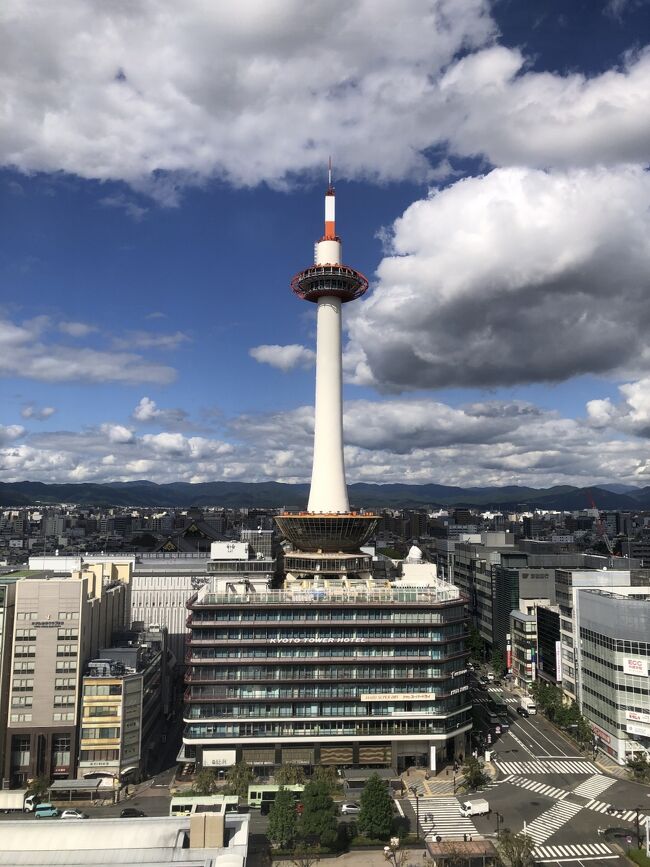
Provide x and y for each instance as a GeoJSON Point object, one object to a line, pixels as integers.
{"type": "Point", "coordinates": [328, 491]}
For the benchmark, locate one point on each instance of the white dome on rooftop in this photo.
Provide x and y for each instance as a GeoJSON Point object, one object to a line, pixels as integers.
{"type": "Point", "coordinates": [414, 554]}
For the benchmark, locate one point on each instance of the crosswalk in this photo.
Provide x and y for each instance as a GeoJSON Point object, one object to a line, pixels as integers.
{"type": "Point", "coordinates": [563, 766]}
{"type": "Point", "coordinates": [509, 700]}
{"type": "Point", "coordinates": [625, 815]}
{"type": "Point", "coordinates": [593, 787]}
{"type": "Point", "coordinates": [551, 821]}
{"type": "Point", "coordinates": [441, 816]}
{"type": "Point", "coordinates": [539, 788]}
{"type": "Point", "coordinates": [574, 852]}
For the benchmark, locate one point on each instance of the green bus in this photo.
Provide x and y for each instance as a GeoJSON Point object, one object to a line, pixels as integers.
{"type": "Point", "coordinates": [263, 796]}
{"type": "Point", "coordinates": [185, 805]}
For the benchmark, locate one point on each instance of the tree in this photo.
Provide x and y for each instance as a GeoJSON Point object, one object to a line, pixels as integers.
{"type": "Point", "coordinates": [326, 774]}
{"type": "Point", "coordinates": [475, 776]}
{"type": "Point", "coordinates": [205, 782]}
{"type": "Point", "coordinates": [38, 786]}
{"type": "Point", "coordinates": [318, 817]}
{"type": "Point", "coordinates": [476, 644]}
{"type": "Point", "coordinates": [376, 814]}
{"type": "Point", "coordinates": [498, 664]}
{"type": "Point", "coordinates": [240, 777]}
{"type": "Point", "coordinates": [282, 819]}
{"type": "Point", "coordinates": [516, 849]}
{"type": "Point", "coordinates": [290, 775]}
{"type": "Point", "coordinates": [638, 766]}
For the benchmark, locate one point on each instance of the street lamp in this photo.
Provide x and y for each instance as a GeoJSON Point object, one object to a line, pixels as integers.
{"type": "Point", "coordinates": [417, 812]}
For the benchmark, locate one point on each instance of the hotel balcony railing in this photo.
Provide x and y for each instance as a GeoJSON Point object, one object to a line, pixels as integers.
{"type": "Point", "coordinates": [421, 596]}
{"type": "Point", "coordinates": [194, 622]}
{"type": "Point", "coordinates": [323, 730]}
{"type": "Point", "coordinates": [272, 677]}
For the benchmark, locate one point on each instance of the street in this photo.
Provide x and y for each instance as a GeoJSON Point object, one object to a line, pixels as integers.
{"type": "Point", "coordinates": [547, 788]}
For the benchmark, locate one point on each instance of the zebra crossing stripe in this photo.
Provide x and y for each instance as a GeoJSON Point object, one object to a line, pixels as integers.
{"type": "Point", "coordinates": [594, 786]}
{"type": "Point", "coordinates": [625, 815]}
{"type": "Point", "coordinates": [547, 767]}
{"type": "Point", "coordinates": [573, 852]}
{"type": "Point", "coordinates": [539, 788]}
{"type": "Point", "coordinates": [551, 821]}
{"type": "Point", "coordinates": [441, 816]}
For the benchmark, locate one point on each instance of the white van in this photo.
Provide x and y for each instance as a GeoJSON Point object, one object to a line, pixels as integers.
{"type": "Point", "coordinates": [479, 807]}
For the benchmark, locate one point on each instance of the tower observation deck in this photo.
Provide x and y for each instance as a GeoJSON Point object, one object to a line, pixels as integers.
{"type": "Point", "coordinates": [328, 526]}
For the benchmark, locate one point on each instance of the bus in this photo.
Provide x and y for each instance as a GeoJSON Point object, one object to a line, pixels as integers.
{"type": "Point", "coordinates": [263, 796]}
{"type": "Point", "coordinates": [186, 805]}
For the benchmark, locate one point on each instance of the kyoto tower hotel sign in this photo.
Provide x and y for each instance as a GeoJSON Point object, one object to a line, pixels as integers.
{"type": "Point", "coordinates": [328, 526]}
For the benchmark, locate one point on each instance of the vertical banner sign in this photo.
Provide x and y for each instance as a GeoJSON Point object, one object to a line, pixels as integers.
{"type": "Point", "coordinates": [508, 653]}
{"type": "Point", "coordinates": [558, 661]}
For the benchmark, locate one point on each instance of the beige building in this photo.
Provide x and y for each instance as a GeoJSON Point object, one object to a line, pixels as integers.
{"type": "Point", "coordinates": [60, 623]}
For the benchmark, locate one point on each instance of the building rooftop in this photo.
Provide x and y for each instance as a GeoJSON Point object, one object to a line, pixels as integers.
{"type": "Point", "coordinates": [333, 592]}
{"type": "Point", "coordinates": [148, 841]}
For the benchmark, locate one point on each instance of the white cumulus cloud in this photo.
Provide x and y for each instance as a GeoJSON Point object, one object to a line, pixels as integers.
{"type": "Point", "coordinates": [517, 276]}
{"type": "Point", "coordinates": [283, 357]}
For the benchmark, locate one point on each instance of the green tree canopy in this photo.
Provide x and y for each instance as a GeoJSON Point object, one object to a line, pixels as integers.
{"type": "Point", "coordinates": [638, 766]}
{"type": "Point", "coordinates": [239, 778]}
{"type": "Point", "coordinates": [39, 785]}
{"type": "Point", "coordinates": [497, 661]}
{"type": "Point", "coordinates": [475, 776]}
{"type": "Point", "coordinates": [282, 819]}
{"type": "Point", "coordinates": [318, 817]}
{"type": "Point", "coordinates": [376, 814]}
{"type": "Point", "coordinates": [290, 775]}
{"type": "Point", "coordinates": [475, 644]}
{"type": "Point", "coordinates": [205, 782]}
{"type": "Point", "coordinates": [326, 774]}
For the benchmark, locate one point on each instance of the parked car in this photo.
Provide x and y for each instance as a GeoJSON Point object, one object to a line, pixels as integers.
{"type": "Point", "coordinates": [74, 814]}
{"type": "Point", "coordinates": [522, 711]}
{"type": "Point", "coordinates": [351, 808]}
{"type": "Point", "coordinates": [46, 811]}
{"type": "Point", "coordinates": [132, 813]}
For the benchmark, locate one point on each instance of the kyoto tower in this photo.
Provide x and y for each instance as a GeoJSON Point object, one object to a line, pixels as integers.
{"type": "Point", "coordinates": [328, 535]}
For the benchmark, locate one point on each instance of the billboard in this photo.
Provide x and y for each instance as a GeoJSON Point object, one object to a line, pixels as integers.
{"type": "Point", "coordinates": [631, 665]}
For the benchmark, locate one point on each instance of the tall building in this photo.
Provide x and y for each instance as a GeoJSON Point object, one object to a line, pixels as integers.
{"type": "Point", "coordinates": [614, 653]}
{"type": "Point", "coordinates": [60, 623]}
{"type": "Point", "coordinates": [333, 668]}
{"type": "Point", "coordinates": [327, 537]}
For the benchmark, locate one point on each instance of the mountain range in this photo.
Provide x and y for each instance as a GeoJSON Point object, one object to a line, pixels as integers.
{"type": "Point", "coordinates": [362, 495]}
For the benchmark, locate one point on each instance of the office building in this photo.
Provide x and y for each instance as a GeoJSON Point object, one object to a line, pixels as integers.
{"type": "Point", "coordinates": [126, 700]}
{"type": "Point", "coordinates": [613, 657]}
{"type": "Point", "coordinates": [60, 623]}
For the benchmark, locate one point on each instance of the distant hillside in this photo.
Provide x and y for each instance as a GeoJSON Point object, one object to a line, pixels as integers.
{"type": "Point", "coordinates": [274, 495]}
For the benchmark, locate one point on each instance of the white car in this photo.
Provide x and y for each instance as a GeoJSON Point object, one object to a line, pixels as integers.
{"type": "Point", "coordinates": [350, 809]}
{"type": "Point", "coordinates": [73, 814]}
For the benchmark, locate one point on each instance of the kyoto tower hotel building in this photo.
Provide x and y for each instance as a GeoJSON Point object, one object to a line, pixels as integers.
{"type": "Point", "coordinates": [334, 667]}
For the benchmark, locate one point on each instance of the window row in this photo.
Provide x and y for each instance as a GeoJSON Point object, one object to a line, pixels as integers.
{"type": "Point", "coordinates": [388, 615]}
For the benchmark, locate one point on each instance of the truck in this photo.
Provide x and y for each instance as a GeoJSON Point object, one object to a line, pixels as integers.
{"type": "Point", "coordinates": [17, 801]}
{"type": "Point", "coordinates": [480, 807]}
{"type": "Point", "coordinates": [528, 704]}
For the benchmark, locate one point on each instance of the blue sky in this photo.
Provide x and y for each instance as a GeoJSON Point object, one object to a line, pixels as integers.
{"type": "Point", "coordinates": [161, 180]}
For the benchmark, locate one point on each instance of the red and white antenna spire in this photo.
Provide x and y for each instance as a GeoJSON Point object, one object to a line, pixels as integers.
{"type": "Point", "coordinates": [330, 207]}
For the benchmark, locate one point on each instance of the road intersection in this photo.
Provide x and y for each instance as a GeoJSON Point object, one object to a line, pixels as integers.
{"type": "Point", "coordinates": [547, 789]}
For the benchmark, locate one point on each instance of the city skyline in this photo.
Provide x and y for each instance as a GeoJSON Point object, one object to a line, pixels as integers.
{"type": "Point", "coordinates": [159, 194]}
